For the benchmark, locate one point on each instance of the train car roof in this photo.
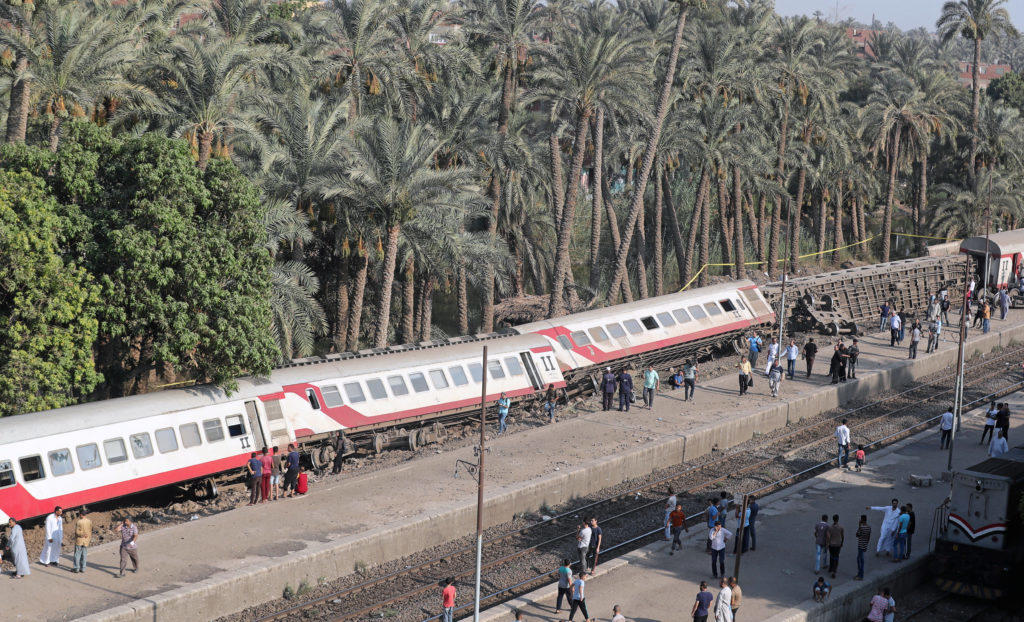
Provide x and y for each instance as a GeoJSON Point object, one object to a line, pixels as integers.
{"type": "Point", "coordinates": [123, 409]}
{"type": "Point", "coordinates": [639, 306]}
{"type": "Point", "coordinates": [400, 357]}
{"type": "Point", "coordinates": [1009, 465]}
{"type": "Point", "coordinates": [999, 244]}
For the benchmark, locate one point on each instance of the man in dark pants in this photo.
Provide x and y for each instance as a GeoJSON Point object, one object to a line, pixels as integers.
{"type": "Point", "coordinates": [834, 369]}
{"type": "Point", "coordinates": [810, 351]}
{"type": "Point", "coordinates": [291, 473]}
{"type": "Point", "coordinates": [835, 544]}
{"type": "Point", "coordinates": [255, 469]}
{"type": "Point", "coordinates": [851, 363]}
{"type": "Point", "coordinates": [752, 530]}
{"type": "Point", "coordinates": [625, 390]}
{"type": "Point", "coordinates": [607, 388]}
{"type": "Point", "coordinates": [1003, 420]}
{"type": "Point", "coordinates": [910, 528]}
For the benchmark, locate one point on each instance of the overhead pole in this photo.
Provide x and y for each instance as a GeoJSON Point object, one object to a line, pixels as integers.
{"type": "Point", "coordinates": [480, 488]}
{"type": "Point", "coordinates": [988, 233]}
{"type": "Point", "coordinates": [740, 536]}
{"type": "Point", "coordinates": [958, 399]}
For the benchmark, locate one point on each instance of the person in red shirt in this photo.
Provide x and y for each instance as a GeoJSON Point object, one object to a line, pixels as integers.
{"type": "Point", "coordinates": [677, 523]}
{"type": "Point", "coordinates": [303, 485]}
{"type": "Point", "coordinates": [448, 600]}
{"type": "Point", "coordinates": [268, 467]}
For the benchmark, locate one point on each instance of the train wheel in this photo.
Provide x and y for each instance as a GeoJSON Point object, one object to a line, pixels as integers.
{"type": "Point", "coordinates": [203, 490]}
{"type": "Point", "coordinates": [440, 432]}
{"type": "Point", "coordinates": [327, 454]}
{"type": "Point", "coordinates": [423, 437]}
{"type": "Point", "coordinates": [413, 440]}
{"type": "Point", "coordinates": [378, 443]}
{"type": "Point", "coordinates": [827, 303]}
{"type": "Point", "coordinates": [833, 328]}
{"type": "Point", "coordinates": [854, 331]}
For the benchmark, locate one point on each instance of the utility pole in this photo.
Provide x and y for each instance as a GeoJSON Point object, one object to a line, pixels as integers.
{"type": "Point", "coordinates": [480, 487]}
{"type": "Point", "coordinates": [739, 537]}
{"type": "Point", "coordinates": [988, 232]}
{"type": "Point", "coordinates": [958, 393]}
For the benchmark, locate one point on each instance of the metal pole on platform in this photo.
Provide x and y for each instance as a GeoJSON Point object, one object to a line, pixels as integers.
{"type": "Point", "coordinates": [958, 394]}
{"type": "Point", "coordinates": [739, 536]}
{"type": "Point", "coordinates": [988, 233]}
{"type": "Point", "coordinates": [480, 488]}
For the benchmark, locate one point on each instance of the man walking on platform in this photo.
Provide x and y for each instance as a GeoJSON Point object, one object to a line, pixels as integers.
{"type": "Point", "coordinates": [836, 538]}
{"type": "Point", "coordinates": [863, 538]}
{"type": "Point", "coordinates": [651, 384]}
{"type": "Point", "coordinates": [746, 379]}
{"type": "Point", "coordinates": [723, 603]}
{"type": "Point", "coordinates": [129, 546]}
{"type": "Point", "coordinates": [607, 388]}
{"type": "Point", "coordinates": [792, 354]}
{"type": "Point", "coordinates": [702, 604]}
{"type": "Point", "coordinates": [689, 380]}
{"type": "Point", "coordinates": [810, 351]}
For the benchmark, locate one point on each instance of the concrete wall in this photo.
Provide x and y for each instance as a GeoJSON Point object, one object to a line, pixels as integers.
{"type": "Point", "coordinates": [230, 591]}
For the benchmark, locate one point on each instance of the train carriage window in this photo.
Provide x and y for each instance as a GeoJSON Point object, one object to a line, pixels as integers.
{"type": "Point", "coordinates": [377, 390]}
{"type": "Point", "coordinates": [189, 435]}
{"type": "Point", "coordinates": [727, 305]}
{"type": "Point", "coordinates": [476, 372]}
{"type": "Point", "coordinates": [515, 368]}
{"type": "Point", "coordinates": [142, 446]}
{"type": "Point", "coordinates": [166, 441]}
{"type": "Point", "coordinates": [354, 391]}
{"type": "Point", "coordinates": [633, 327]}
{"type": "Point", "coordinates": [88, 456]}
{"type": "Point", "coordinates": [236, 425]}
{"type": "Point", "coordinates": [649, 322]}
{"type": "Point", "coordinates": [458, 375]}
{"type": "Point", "coordinates": [398, 386]}
{"type": "Point", "coordinates": [681, 315]}
{"type": "Point", "coordinates": [213, 430]}
{"type": "Point", "coordinates": [564, 341]}
{"type": "Point", "coordinates": [497, 371]}
{"type": "Point", "coordinates": [32, 468]}
{"type": "Point", "coordinates": [598, 334]}
{"type": "Point", "coordinates": [6, 474]}
{"type": "Point", "coordinates": [739, 303]}
{"type": "Point", "coordinates": [666, 319]}
{"type": "Point", "coordinates": [580, 338]}
{"type": "Point", "coordinates": [697, 312]}
{"type": "Point", "coordinates": [332, 396]}
{"type": "Point", "coordinates": [419, 382]}
{"type": "Point", "coordinates": [712, 308]}
{"type": "Point", "coordinates": [114, 448]}
{"type": "Point", "coordinates": [313, 402]}
{"type": "Point", "coordinates": [60, 462]}
{"type": "Point", "coordinates": [616, 330]}
{"type": "Point", "coordinates": [438, 379]}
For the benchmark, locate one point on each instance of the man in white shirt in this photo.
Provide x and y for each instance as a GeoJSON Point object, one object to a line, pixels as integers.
{"type": "Point", "coordinates": [723, 603]}
{"type": "Point", "coordinates": [50, 555]}
{"type": "Point", "coordinates": [617, 614]}
{"type": "Point", "coordinates": [946, 426]}
{"type": "Point", "coordinates": [890, 520]}
{"type": "Point", "coordinates": [583, 544]}
{"type": "Point", "coordinates": [792, 354]}
{"type": "Point", "coordinates": [990, 423]}
{"type": "Point", "coordinates": [670, 504]}
{"type": "Point", "coordinates": [718, 536]}
{"type": "Point", "coordinates": [843, 440]}
{"type": "Point", "coordinates": [998, 446]}
{"type": "Point", "coordinates": [895, 324]}
{"type": "Point", "coordinates": [773, 354]}
{"type": "Point", "coordinates": [915, 338]}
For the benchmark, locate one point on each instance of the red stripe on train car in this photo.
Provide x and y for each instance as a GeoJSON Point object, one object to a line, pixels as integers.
{"type": "Point", "coordinates": [272, 396]}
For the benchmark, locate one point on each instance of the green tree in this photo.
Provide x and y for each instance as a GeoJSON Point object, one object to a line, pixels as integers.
{"type": "Point", "coordinates": [47, 305]}
{"type": "Point", "coordinates": [1008, 89]}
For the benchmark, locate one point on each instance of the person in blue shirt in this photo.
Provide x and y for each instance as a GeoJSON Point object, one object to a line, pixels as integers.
{"type": "Point", "coordinates": [712, 518]}
{"type": "Point", "coordinates": [752, 529]}
{"type": "Point", "coordinates": [899, 543]}
{"type": "Point", "coordinates": [742, 528]}
{"type": "Point", "coordinates": [291, 474]}
{"type": "Point", "coordinates": [503, 403]}
{"type": "Point", "coordinates": [821, 589]}
{"type": "Point", "coordinates": [607, 388]}
{"type": "Point", "coordinates": [754, 345]}
{"type": "Point", "coordinates": [702, 604]}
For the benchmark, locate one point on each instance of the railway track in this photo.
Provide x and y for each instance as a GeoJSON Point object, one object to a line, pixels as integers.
{"type": "Point", "coordinates": [521, 559]}
{"type": "Point", "coordinates": [930, 604]}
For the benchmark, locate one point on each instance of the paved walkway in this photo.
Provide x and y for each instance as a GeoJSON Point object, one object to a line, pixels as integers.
{"type": "Point", "coordinates": [776, 579]}
{"type": "Point", "coordinates": [354, 504]}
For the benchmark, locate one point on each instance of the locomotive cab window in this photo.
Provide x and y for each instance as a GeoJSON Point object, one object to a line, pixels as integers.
{"type": "Point", "coordinates": [476, 372]}
{"type": "Point", "coordinates": [681, 315]}
{"type": "Point", "coordinates": [616, 330]}
{"type": "Point", "coordinates": [697, 312]}
{"type": "Point", "coordinates": [114, 448]}
{"type": "Point", "coordinates": [354, 391]}
{"type": "Point", "coordinates": [88, 456]}
{"type": "Point", "coordinates": [458, 375]}
{"type": "Point", "coordinates": [564, 342]}
{"type": "Point", "coordinates": [727, 305]}
{"type": "Point", "coordinates": [332, 397]}
{"type": "Point", "coordinates": [515, 368]}
{"type": "Point", "coordinates": [580, 338]}
{"type": "Point", "coordinates": [60, 462]}
{"type": "Point", "coordinates": [32, 468]}
{"type": "Point", "coordinates": [598, 334]}
{"type": "Point", "coordinates": [377, 390]}
{"type": "Point", "coordinates": [166, 442]}
{"type": "Point", "coordinates": [142, 447]}
{"type": "Point", "coordinates": [213, 430]}
{"type": "Point", "coordinates": [649, 322]}
{"type": "Point", "coordinates": [497, 372]}
{"type": "Point", "coordinates": [236, 425]}
{"type": "Point", "coordinates": [666, 319]}
{"type": "Point", "coordinates": [189, 435]}
{"type": "Point", "coordinates": [311, 395]}
{"type": "Point", "coordinates": [438, 379]}
{"type": "Point", "coordinates": [712, 308]}
{"type": "Point", "coordinates": [6, 474]}
{"type": "Point", "coordinates": [633, 327]}
{"type": "Point", "coordinates": [419, 382]}
{"type": "Point", "coordinates": [398, 386]}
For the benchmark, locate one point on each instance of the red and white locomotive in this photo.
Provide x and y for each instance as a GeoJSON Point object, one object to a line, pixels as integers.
{"type": "Point", "coordinates": [187, 436]}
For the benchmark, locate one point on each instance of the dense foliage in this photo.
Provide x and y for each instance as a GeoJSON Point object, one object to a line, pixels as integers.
{"type": "Point", "coordinates": [420, 161]}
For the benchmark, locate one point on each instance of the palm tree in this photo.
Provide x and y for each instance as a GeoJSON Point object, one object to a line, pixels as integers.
{"type": "Point", "coordinates": [975, 20]}
{"type": "Point", "coordinates": [20, 37]}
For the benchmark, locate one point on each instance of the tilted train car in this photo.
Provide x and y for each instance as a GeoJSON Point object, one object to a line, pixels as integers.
{"type": "Point", "coordinates": [1004, 251]}
{"type": "Point", "coordinates": [979, 541]}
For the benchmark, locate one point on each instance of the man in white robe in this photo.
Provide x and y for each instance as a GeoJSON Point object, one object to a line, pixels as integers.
{"type": "Point", "coordinates": [723, 603]}
{"type": "Point", "coordinates": [50, 554]}
{"type": "Point", "coordinates": [890, 520]}
{"type": "Point", "coordinates": [16, 542]}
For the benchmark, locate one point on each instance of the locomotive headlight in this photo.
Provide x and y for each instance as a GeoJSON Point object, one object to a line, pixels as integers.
{"type": "Point", "coordinates": [978, 486]}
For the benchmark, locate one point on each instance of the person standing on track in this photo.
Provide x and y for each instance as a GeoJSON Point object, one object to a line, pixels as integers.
{"type": "Point", "coordinates": [255, 468]}
{"type": "Point", "coordinates": [503, 405]}
{"type": "Point", "coordinates": [670, 506]}
{"type": "Point", "coordinates": [689, 380]}
{"type": "Point", "coordinates": [291, 472]}
{"type": "Point", "coordinates": [843, 441]}
{"type": "Point", "coordinates": [583, 535]}
{"type": "Point", "coordinates": [863, 538]}
{"type": "Point", "coordinates": [596, 537]}
{"type": "Point", "coordinates": [676, 523]}
{"type": "Point", "coordinates": [625, 390]}
{"type": "Point", "coordinates": [810, 351]}
{"type": "Point", "coordinates": [702, 604]}
{"type": "Point", "coordinates": [579, 597]}
{"type": "Point", "coordinates": [651, 384]}
{"type": "Point", "coordinates": [792, 354]}
{"type": "Point", "coordinates": [607, 388]}
{"type": "Point", "coordinates": [266, 470]}
{"type": "Point", "coordinates": [448, 600]}
{"type": "Point", "coordinates": [836, 538]}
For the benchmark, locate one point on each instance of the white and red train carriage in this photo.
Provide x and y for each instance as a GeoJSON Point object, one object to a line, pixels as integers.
{"type": "Point", "coordinates": [1002, 253]}
{"type": "Point", "coordinates": [402, 395]}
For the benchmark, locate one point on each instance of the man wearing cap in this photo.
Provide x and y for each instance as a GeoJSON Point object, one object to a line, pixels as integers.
{"type": "Point", "coordinates": [851, 363]}
{"type": "Point", "coordinates": [607, 388]}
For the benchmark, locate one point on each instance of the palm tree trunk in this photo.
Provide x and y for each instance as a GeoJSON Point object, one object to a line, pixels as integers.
{"type": "Point", "coordinates": [341, 314]}
{"type": "Point", "coordinates": [487, 307]}
{"type": "Point", "coordinates": [641, 256]}
{"type": "Point", "coordinates": [822, 221]}
{"type": "Point", "coordinates": [417, 314]}
{"type": "Point", "coordinates": [725, 219]}
{"type": "Point", "coordinates": [738, 241]}
{"type": "Point", "coordinates": [427, 306]}
{"type": "Point", "coordinates": [972, 175]}
{"type": "Point", "coordinates": [619, 273]}
{"type": "Point", "coordinates": [673, 226]}
{"type": "Point", "coordinates": [409, 303]}
{"type": "Point", "coordinates": [507, 92]}
{"type": "Point", "coordinates": [854, 217]}
{"type": "Point", "coordinates": [17, 111]}
{"type": "Point", "coordinates": [659, 235]}
{"type": "Point", "coordinates": [776, 228]}
{"type": "Point", "coordinates": [462, 295]}
{"type": "Point", "coordinates": [762, 245]}
{"type": "Point", "coordinates": [922, 201]}
{"type": "Point", "coordinates": [355, 316]}
{"type": "Point", "coordinates": [695, 220]}
{"type": "Point", "coordinates": [557, 179]}
{"type": "Point", "coordinates": [705, 240]}
{"type": "Point", "coordinates": [838, 217]}
{"type": "Point", "coordinates": [797, 207]}
{"type": "Point", "coordinates": [556, 304]}
{"type": "Point", "coordinates": [596, 207]}
{"type": "Point", "coordinates": [205, 148]}
{"type": "Point", "coordinates": [54, 133]}
{"type": "Point", "coordinates": [387, 280]}
{"type": "Point", "coordinates": [861, 218]}
{"type": "Point", "coordinates": [890, 194]}
{"type": "Point", "coordinates": [613, 232]}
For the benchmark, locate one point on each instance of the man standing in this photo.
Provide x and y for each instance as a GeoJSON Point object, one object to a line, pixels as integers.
{"type": "Point", "coordinates": [702, 604]}
{"type": "Point", "coordinates": [932, 335]}
{"type": "Point", "coordinates": [911, 528]}
{"type": "Point", "coordinates": [617, 614]}
{"type": "Point", "coordinates": [1004, 303]}
{"type": "Point", "coordinates": [884, 312]}
{"type": "Point", "coordinates": [843, 440]}
{"type": "Point", "coordinates": [944, 306]}
{"type": "Point", "coordinates": [625, 390]}
{"type": "Point", "coordinates": [719, 536]}
{"type": "Point", "coordinates": [83, 535]}
{"type": "Point", "coordinates": [990, 422]}
{"type": "Point", "coordinates": [915, 338]}
{"type": "Point", "coordinates": [1003, 420]}
{"type": "Point", "coordinates": [895, 326]}
{"type": "Point", "coordinates": [583, 543]}
{"type": "Point", "coordinates": [890, 516]}
{"type": "Point", "coordinates": [712, 518]}
{"type": "Point", "coordinates": [773, 355]}
{"type": "Point", "coordinates": [275, 465]}
{"type": "Point", "coordinates": [291, 471]}
{"type": "Point", "coordinates": [820, 542]}
{"type": "Point", "coordinates": [986, 317]}
{"type": "Point", "coordinates": [742, 524]}
{"type": "Point", "coordinates": [723, 603]}
{"type": "Point", "coordinates": [810, 351]}
{"type": "Point", "coordinates": [737, 596]}
{"type": "Point", "coordinates": [752, 530]}
{"type": "Point", "coordinates": [852, 353]}
{"type": "Point", "coordinates": [448, 600]}
{"type": "Point", "coordinates": [836, 538]}
{"type": "Point", "coordinates": [16, 545]}
{"type": "Point", "coordinates": [129, 546]}
{"type": "Point", "coordinates": [946, 427]}
{"type": "Point", "coordinates": [753, 348]}
{"type": "Point", "coordinates": [792, 354]}
{"type": "Point", "coordinates": [596, 536]}
{"type": "Point", "coordinates": [651, 384]}
{"type": "Point", "coordinates": [899, 544]}
{"type": "Point", "coordinates": [998, 446]}
{"type": "Point", "coordinates": [266, 470]}
{"type": "Point", "coordinates": [863, 537]}
{"type": "Point", "coordinates": [676, 523]}
{"type": "Point", "coordinates": [50, 556]}
{"type": "Point", "coordinates": [774, 377]}
{"type": "Point", "coordinates": [689, 380]}
{"type": "Point", "coordinates": [255, 470]}
{"type": "Point", "coordinates": [503, 405]}
{"type": "Point", "coordinates": [550, 401]}
{"type": "Point", "coordinates": [579, 598]}
{"type": "Point", "coordinates": [607, 388]}
{"type": "Point", "coordinates": [836, 365]}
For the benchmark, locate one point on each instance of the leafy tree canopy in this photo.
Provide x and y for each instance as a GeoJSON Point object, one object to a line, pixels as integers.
{"type": "Point", "coordinates": [1008, 89]}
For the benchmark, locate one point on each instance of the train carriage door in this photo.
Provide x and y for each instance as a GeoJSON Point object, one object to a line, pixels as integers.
{"type": "Point", "coordinates": [280, 435]}
{"type": "Point", "coordinates": [257, 426]}
{"type": "Point", "coordinates": [531, 370]}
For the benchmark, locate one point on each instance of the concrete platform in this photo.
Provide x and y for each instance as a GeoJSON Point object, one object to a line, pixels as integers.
{"type": "Point", "coordinates": [776, 579]}
{"type": "Point", "coordinates": [224, 563]}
